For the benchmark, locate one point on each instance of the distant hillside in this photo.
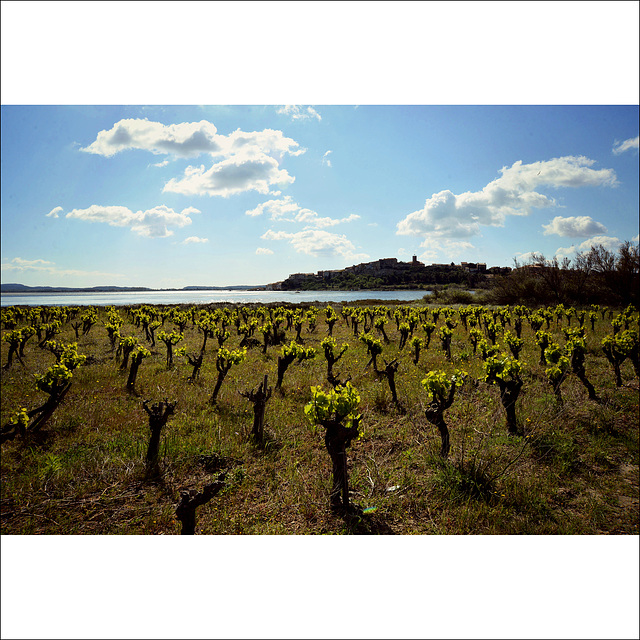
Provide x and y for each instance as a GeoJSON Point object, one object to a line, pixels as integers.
{"type": "Point", "coordinates": [390, 273]}
{"type": "Point", "coordinates": [10, 288]}
{"type": "Point", "coordinates": [22, 288]}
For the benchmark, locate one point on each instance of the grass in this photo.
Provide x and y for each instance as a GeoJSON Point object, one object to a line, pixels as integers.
{"type": "Point", "coordinates": [575, 471]}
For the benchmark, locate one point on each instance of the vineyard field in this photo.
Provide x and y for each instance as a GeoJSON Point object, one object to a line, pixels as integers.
{"type": "Point", "coordinates": [542, 419]}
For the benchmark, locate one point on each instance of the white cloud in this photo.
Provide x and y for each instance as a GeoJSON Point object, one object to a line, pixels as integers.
{"type": "Point", "coordinates": [246, 160]}
{"type": "Point", "coordinates": [21, 265]}
{"type": "Point", "coordinates": [54, 212]}
{"type": "Point", "coordinates": [188, 140]}
{"type": "Point", "coordinates": [286, 210]}
{"type": "Point", "coordinates": [320, 223]}
{"type": "Point", "coordinates": [297, 112]}
{"type": "Point", "coordinates": [277, 208]}
{"type": "Point", "coordinates": [164, 163]}
{"type": "Point", "coordinates": [325, 158]}
{"type": "Point", "coordinates": [194, 240]}
{"type": "Point", "coordinates": [428, 257]}
{"type": "Point", "coordinates": [456, 249]}
{"type": "Point", "coordinates": [621, 147]}
{"type": "Point", "coordinates": [561, 252]}
{"type": "Point", "coordinates": [269, 141]}
{"type": "Point", "coordinates": [523, 258]}
{"type": "Point", "coordinates": [573, 227]}
{"type": "Point", "coordinates": [608, 242]}
{"type": "Point", "coordinates": [447, 215]}
{"type": "Point", "coordinates": [152, 223]}
{"type": "Point", "coordinates": [318, 243]}
{"type": "Point", "coordinates": [263, 251]}
{"type": "Point", "coordinates": [438, 247]}
{"type": "Point", "coordinates": [231, 176]}
{"type": "Point", "coordinates": [185, 139]}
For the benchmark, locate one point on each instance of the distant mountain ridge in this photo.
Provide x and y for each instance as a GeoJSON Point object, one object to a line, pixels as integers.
{"type": "Point", "coordinates": [23, 288]}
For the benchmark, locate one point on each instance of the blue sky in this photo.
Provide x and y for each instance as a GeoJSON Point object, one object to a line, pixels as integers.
{"type": "Point", "coordinates": [342, 149]}
{"type": "Point", "coordinates": [223, 195]}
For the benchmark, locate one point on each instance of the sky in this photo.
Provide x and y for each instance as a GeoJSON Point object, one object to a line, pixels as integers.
{"type": "Point", "coordinates": [218, 192]}
{"type": "Point", "coordinates": [171, 196]}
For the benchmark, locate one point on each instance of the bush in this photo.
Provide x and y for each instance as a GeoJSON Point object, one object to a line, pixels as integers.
{"type": "Point", "coordinates": [451, 294]}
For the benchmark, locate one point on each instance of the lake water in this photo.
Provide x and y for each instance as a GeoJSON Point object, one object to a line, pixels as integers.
{"type": "Point", "coordinates": [202, 297]}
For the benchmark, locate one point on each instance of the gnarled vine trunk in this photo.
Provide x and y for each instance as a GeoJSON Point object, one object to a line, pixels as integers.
{"type": "Point", "coordinates": [435, 417]}
{"type": "Point", "coordinates": [509, 392]}
{"type": "Point", "coordinates": [337, 439]}
{"type": "Point", "coordinates": [389, 371]}
{"type": "Point", "coordinates": [41, 414]}
{"type": "Point", "coordinates": [158, 416]}
{"type": "Point", "coordinates": [191, 499]}
{"type": "Point", "coordinates": [283, 365]}
{"type": "Point", "coordinates": [133, 371]}
{"type": "Point", "coordinates": [259, 397]}
{"type": "Point", "coordinates": [434, 413]}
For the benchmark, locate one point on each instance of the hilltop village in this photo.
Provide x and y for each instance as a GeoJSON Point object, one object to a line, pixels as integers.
{"type": "Point", "coordinates": [389, 272]}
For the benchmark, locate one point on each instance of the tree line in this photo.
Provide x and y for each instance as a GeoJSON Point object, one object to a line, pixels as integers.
{"type": "Point", "coordinates": [597, 276]}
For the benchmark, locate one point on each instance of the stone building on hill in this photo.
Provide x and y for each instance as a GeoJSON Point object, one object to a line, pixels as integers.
{"type": "Point", "coordinates": [385, 272]}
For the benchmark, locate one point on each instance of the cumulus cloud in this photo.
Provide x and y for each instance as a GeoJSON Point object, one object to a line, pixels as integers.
{"type": "Point", "coordinates": [263, 251]}
{"type": "Point", "coordinates": [561, 252]}
{"type": "Point", "coordinates": [523, 258]}
{"type": "Point", "coordinates": [164, 163]}
{"type": "Point", "coordinates": [630, 144]}
{"type": "Point", "coordinates": [245, 161]}
{"type": "Point", "coordinates": [45, 266]}
{"type": "Point", "coordinates": [286, 210]}
{"type": "Point", "coordinates": [573, 227]}
{"type": "Point", "coordinates": [447, 215]}
{"type": "Point", "coordinates": [277, 208]}
{"type": "Point", "coordinates": [318, 243]}
{"type": "Point", "coordinates": [443, 246]}
{"type": "Point", "coordinates": [608, 242]}
{"type": "Point", "coordinates": [296, 112]}
{"type": "Point", "coordinates": [195, 240]}
{"type": "Point", "coordinates": [270, 141]}
{"type": "Point", "coordinates": [454, 249]}
{"type": "Point", "coordinates": [313, 220]}
{"type": "Point", "coordinates": [54, 212]}
{"type": "Point", "coordinates": [429, 256]}
{"type": "Point", "coordinates": [186, 139]}
{"type": "Point", "coordinates": [231, 176]}
{"type": "Point", "coordinates": [325, 158]}
{"type": "Point", "coordinates": [152, 223]}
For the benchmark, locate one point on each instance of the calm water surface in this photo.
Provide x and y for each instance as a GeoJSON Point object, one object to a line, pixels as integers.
{"type": "Point", "coordinates": [202, 297]}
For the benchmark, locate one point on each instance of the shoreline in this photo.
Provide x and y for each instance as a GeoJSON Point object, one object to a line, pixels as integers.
{"type": "Point", "coordinates": [64, 292]}
{"type": "Point", "coordinates": [202, 297]}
